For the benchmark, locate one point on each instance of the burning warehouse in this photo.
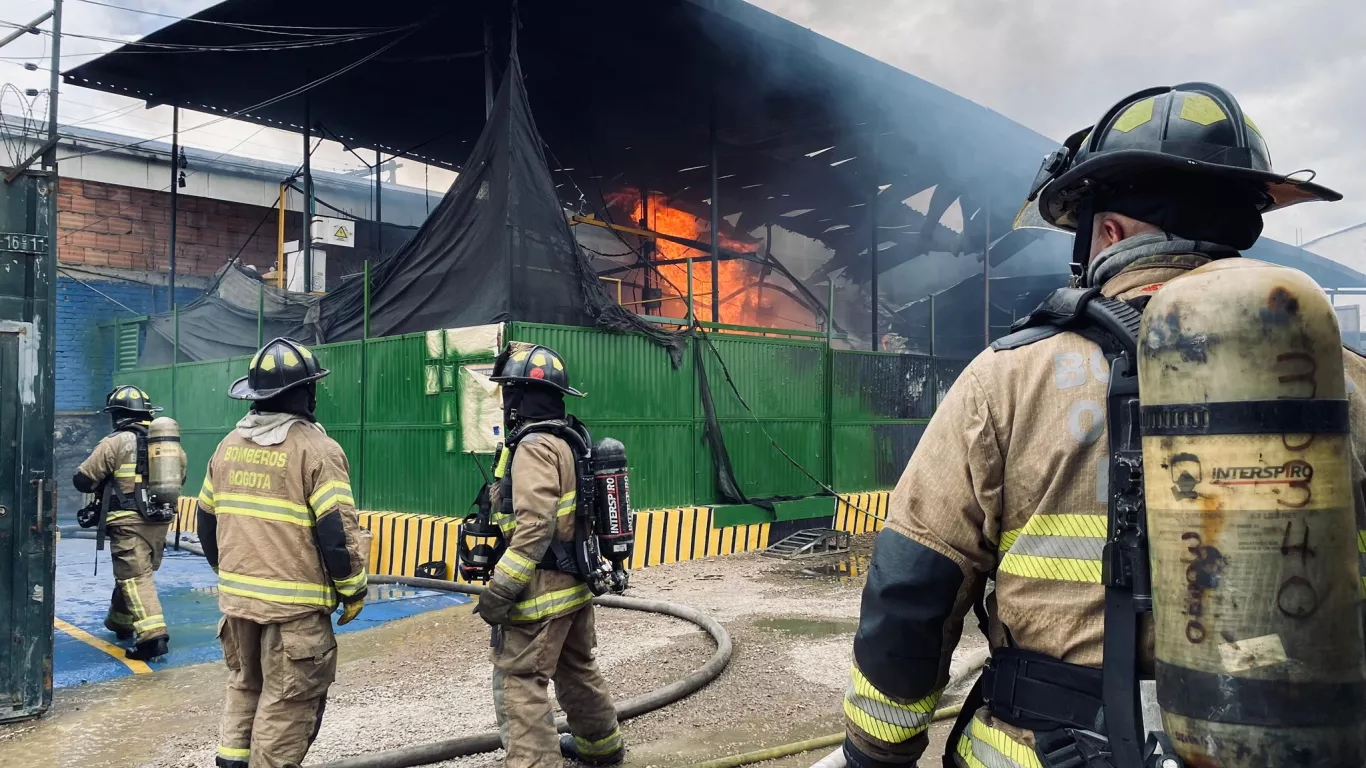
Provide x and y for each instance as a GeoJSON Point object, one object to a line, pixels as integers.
{"type": "Point", "coordinates": [777, 167]}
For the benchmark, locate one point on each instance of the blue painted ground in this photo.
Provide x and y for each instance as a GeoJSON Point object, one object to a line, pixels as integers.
{"type": "Point", "coordinates": [189, 597]}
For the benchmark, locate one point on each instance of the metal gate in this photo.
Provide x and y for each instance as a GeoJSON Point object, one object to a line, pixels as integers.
{"type": "Point", "coordinates": [28, 521]}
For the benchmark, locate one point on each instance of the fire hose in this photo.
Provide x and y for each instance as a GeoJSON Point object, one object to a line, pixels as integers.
{"type": "Point", "coordinates": [435, 752]}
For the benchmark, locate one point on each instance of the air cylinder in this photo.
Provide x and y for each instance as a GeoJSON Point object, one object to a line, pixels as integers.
{"type": "Point", "coordinates": [165, 462]}
{"type": "Point", "coordinates": [1252, 528]}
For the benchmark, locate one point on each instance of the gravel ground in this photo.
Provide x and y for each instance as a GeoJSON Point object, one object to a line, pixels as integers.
{"type": "Point", "coordinates": [427, 678]}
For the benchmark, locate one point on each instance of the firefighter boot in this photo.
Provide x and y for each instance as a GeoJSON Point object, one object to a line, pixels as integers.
{"type": "Point", "coordinates": [569, 749]}
{"type": "Point", "coordinates": [148, 650]}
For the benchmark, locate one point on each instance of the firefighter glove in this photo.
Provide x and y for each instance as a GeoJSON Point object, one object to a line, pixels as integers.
{"type": "Point", "coordinates": [350, 611]}
{"type": "Point", "coordinates": [493, 607]}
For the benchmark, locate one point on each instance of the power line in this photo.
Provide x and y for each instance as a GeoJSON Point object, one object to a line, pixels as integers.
{"type": "Point", "coordinates": [268, 102]}
{"type": "Point", "coordinates": [238, 25]}
{"type": "Point", "coordinates": [315, 41]}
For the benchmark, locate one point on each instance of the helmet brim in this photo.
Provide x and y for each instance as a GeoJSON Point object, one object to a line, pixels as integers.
{"type": "Point", "coordinates": [535, 382]}
{"type": "Point", "coordinates": [241, 390]}
{"type": "Point", "coordinates": [153, 409]}
{"type": "Point", "coordinates": [1282, 191]}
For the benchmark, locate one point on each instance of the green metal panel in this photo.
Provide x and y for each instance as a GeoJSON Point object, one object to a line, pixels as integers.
{"type": "Point", "coordinates": [635, 395]}
{"type": "Point", "coordinates": [339, 393]}
{"type": "Point", "coordinates": [408, 470]}
{"type": "Point", "coordinates": [397, 384]}
{"type": "Point", "coordinates": [28, 490]}
{"type": "Point", "coordinates": [126, 345]}
{"type": "Point", "coordinates": [777, 379]}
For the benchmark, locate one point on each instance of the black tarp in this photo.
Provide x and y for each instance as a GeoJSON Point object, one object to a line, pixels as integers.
{"type": "Point", "coordinates": [497, 248]}
{"type": "Point", "coordinates": [223, 321]}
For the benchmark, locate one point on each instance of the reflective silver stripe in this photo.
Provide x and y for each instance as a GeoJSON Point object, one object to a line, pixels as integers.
{"type": "Point", "coordinates": [605, 746]}
{"type": "Point", "coordinates": [541, 606]}
{"type": "Point", "coordinates": [1073, 547]}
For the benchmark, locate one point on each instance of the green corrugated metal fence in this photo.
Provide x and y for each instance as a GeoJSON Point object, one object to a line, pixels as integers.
{"type": "Point", "coordinates": [849, 418]}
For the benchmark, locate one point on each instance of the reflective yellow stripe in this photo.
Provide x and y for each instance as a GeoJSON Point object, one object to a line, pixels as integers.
{"type": "Point", "coordinates": [1056, 547]}
{"type": "Point", "coordinates": [264, 508]}
{"type": "Point", "coordinates": [566, 504]}
{"type": "Point", "coordinates": [1089, 526]}
{"type": "Point", "coordinates": [879, 716]}
{"type": "Point", "coordinates": [517, 567]}
{"type": "Point", "coordinates": [231, 753]}
{"type": "Point", "coordinates": [206, 493]}
{"type": "Point", "coordinates": [551, 603]}
{"type": "Point", "coordinates": [276, 591]}
{"type": "Point", "coordinates": [1361, 542]}
{"type": "Point", "coordinates": [120, 514]}
{"type": "Point", "coordinates": [150, 623]}
{"type": "Point", "coordinates": [329, 495]}
{"type": "Point", "coordinates": [1008, 540]}
{"type": "Point", "coordinates": [352, 584]}
{"type": "Point", "coordinates": [506, 523]}
{"type": "Point", "coordinates": [501, 467]}
{"type": "Point", "coordinates": [1055, 568]}
{"type": "Point", "coordinates": [133, 599]}
{"type": "Point", "coordinates": [126, 470]}
{"type": "Point", "coordinates": [604, 746]}
{"type": "Point", "coordinates": [985, 747]}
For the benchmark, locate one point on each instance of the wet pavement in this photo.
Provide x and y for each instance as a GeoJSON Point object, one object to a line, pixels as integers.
{"type": "Point", "coordinates": [86, 652]}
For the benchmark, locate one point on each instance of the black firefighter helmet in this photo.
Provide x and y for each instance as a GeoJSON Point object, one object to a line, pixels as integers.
{"type": "Point", "coordinates": [532, 364]}
{"type": "Point", "coordinates": [126, 397]}
{"type": "Point", "coordinates": [280, 365]}
{"type": "Point", "coordinates": [1192, 131]}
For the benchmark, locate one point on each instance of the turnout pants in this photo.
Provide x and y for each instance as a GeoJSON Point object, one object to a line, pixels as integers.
{"type": "Point", "coordinates": [136, 547]}
{"type": "Point", "coordinates": [278, 676]}
{"type": "Point", "coordinates": [526, 658]}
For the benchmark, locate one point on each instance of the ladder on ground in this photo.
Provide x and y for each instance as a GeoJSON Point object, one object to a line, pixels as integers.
{"type": "Point", "coordinates": [810, 543]}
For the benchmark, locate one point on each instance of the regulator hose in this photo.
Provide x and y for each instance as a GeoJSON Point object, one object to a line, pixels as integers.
{"type": "Point", "coordinates": [435, 752]}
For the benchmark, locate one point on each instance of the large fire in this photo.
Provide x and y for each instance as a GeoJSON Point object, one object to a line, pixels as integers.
{"type": "Point", "coordinates": [742, 302]}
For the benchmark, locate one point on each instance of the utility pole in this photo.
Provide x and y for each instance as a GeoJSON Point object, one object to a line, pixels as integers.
{"type": "Point", "coordinates": [307, 239]}
{"type": "Point", "coordinates": [986, 276]}
{"type": "Point", "coordinates": [50, 158]}
{"type": "Point", "coordinates": [175, 196]}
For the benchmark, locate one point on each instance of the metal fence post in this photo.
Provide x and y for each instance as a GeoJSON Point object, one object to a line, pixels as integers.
{"type": "Point", "coordinates": [830, 386]}
{"type": "Point", "coordinates": [364, 390]}
{"type": "Point", "coordinates": [175, 358]}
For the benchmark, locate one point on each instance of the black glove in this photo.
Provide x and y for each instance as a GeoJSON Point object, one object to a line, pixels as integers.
{"type": "Point", "coordinates": [88, 516]}
{"type": "Point", "coordinates": [493, 607]}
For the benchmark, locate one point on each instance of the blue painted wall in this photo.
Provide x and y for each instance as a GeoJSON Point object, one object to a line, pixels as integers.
{"type": "Point", "coordinates": [85, 353]}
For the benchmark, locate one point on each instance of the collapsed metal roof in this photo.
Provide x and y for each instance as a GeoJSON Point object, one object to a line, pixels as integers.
{"type": "Point", "coordinates": [625, 93]}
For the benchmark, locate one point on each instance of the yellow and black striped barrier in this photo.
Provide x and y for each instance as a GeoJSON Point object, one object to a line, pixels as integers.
{"type": "Point", "coordinates": [401, 542]}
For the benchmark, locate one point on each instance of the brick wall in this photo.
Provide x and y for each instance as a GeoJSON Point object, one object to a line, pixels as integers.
{"type": "Point", "coordinates": [85, 352]}
{"type": "Point", "coordinates": [106, 225]}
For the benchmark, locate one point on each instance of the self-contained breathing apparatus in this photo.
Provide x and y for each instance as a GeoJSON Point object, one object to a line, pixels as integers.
{"type": "Point", "coordinates": [604, 532]}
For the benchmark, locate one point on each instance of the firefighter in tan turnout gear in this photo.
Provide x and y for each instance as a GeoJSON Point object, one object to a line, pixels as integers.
{"type": "Point", "coordinates": [1015, 485]}
{"type": "Point", "coordinates": [539, 608]}
{"type": "Point", "coordinates": [278, 524]}
{"type": "Point", "coordinates": [136, 527]}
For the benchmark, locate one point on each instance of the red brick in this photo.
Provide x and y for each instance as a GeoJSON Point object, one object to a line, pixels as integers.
{"type": "Point", "coordinates": [142, 196]}
{"type": "Point", "coordinates": [83, 240]}
{"type": "Point", "coordinates": [161, 232]}
{"type": "Point", "coordinates": [155, 215]}
{"type": "Point", "coordinates": [125, 261]}
{"type": "Point", "coordinates": [108, 207]}
{"type": "Point", "coordinates": [132, 244]}
{"type": "Point", "coordinates": [96, 257]}
{"type": "Point", "coordinates": [121, 194]}
{"type": "Point", "coordinates": [82, 205]}
{"type": "Point", "coordinates": [107, 242]}
{"type": "Point", "coordinates": [120, 226]}
{"type": "Point", "coordinates": [67, 186]}
{"type": "Point", "coordinates": [96, 191]}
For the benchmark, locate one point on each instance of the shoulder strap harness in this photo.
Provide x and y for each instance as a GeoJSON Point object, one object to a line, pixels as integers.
{"type": "Point", "coordinates": [1064, 702]}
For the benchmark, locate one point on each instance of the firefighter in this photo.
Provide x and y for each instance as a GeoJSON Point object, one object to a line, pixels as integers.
{"type": "Point", "coordinates": [278, 524]}
{"type": "Point", "coordinates": [1017, 486]}
{"type": "Point", "coordinates": [136, 538]}
{"type": "Point", "coordinates": [541, 611]}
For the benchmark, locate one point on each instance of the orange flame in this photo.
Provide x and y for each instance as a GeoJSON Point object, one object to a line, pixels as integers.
{"type": "Point", "coordinates": [742, 303]}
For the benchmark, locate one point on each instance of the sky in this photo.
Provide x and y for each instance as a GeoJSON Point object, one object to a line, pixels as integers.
{"type": "Point", "coordinates": [1298, 68]}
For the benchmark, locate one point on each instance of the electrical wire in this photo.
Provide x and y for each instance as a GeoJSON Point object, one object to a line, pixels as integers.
{"type": "Point", "coordinates": [313, 41]}
{"type": "Point", "coordinates": [269, 102]}
{"type": "Point", "coordinates": [233, 24]}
